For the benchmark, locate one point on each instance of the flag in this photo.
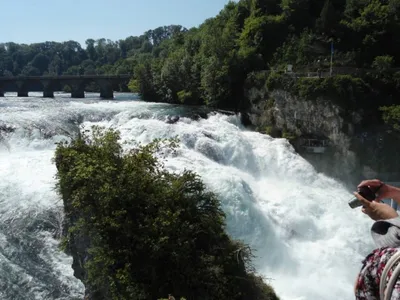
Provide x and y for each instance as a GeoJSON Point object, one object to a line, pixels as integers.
{"type": "Point", "coordinates": [332, 48]}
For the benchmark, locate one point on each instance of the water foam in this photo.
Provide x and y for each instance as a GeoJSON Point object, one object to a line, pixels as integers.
{"type": "Point", "coordinates": [307, 239]}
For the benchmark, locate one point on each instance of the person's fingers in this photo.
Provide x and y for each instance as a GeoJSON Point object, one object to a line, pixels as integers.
{"type": "Point", "coordinates": [370, 182]}
{"type": "Point", "coordinates": [368, 211]}
{"type": "Point", "coordinates": [363, 183]}
{"type": "Point", "coordinates": [365, 202]}
{"type": "Point", "coordinates": [375, 206]}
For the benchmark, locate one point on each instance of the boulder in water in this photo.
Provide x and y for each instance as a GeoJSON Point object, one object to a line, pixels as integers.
{"type": "Point", "coordinates": [6, 128]}
{"type": "Point", "coordinates": [172, 120]}
{"type": "Point", "coordinates": [195, 117]}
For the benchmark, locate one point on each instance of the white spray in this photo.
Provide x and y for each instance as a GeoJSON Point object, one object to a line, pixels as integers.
{"type": "Point", "coordinates": [308, 242]}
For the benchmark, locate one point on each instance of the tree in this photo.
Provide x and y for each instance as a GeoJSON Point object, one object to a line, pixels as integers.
{"type": "Point", "coordinates": [91, 49]}
{"type": "Point", "coordinates": [210, 63]}
{"type": "Point", "coordinates": [149, 232]}
{"type": "Point", "coordinates": [30, 70]}
{"type": "Point", "coordinates": [41, 62]}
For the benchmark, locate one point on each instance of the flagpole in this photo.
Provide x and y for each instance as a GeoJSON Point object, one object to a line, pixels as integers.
{"type": "Point", "coordinates": [331, 57]}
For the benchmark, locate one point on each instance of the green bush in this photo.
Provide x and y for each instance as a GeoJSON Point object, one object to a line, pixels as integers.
{"type": "Point", "coordinates": [257, 79]}
{"type": "Point", "coordinates": [184, 96]}
{"type": "Point", "coordinates": [133, 86]}
{"type": "Point", "coordinates": [277, 80]}
{"type": "Point", "coordinates": [268, 130]}
{"type": "Point", "coordinates": [383, 63]}
{"type": "Point", "coordinates": [288, 135]}
{"type": "Point", "coordinates": [150, 232]}
{"type": "Point", "coordinates": [391, 116]}
{"type": "Point", "coordinates": [343, 90]}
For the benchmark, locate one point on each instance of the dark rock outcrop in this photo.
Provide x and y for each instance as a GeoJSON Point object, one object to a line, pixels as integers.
{"type": "Point", "coordinates": [172, 119]}
{"type": "Point", "coordinates": [350, 155]}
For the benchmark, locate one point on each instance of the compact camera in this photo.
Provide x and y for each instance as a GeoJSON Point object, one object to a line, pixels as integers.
{"type": "Point", "coordinates": [365, 192]}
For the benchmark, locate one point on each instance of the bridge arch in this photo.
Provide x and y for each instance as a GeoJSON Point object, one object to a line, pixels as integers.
{"type": "Point", "coordinates": [49, 84]}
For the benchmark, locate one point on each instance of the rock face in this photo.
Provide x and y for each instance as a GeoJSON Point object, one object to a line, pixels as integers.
{"type": "Point", "coordinates": [78, 246]}
{"type": "Point", "coordinates": [353, 148]}
{"type": "Point", "coordinates": [283, 110]}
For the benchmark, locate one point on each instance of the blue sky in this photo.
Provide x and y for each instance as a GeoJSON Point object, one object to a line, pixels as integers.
{"type": "Point", "coordinates": [31, 21]}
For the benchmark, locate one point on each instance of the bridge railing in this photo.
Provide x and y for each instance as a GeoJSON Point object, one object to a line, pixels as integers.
{"type": "Point", "coordinates": [324, 72]}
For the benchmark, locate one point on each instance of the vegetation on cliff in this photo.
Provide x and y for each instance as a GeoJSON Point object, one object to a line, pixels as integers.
{"type": "Point", "coordinates": [391, 116]}
{"type": "Point", "coordinates": [213, 64]}
{"type": "Point", "coordinates": [217, 63]}
{"type": "Point", "coordinates": [149, 232]}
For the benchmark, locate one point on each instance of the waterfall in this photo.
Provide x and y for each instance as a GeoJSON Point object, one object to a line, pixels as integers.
{"type": "Point", "coordinates": [308, 243]}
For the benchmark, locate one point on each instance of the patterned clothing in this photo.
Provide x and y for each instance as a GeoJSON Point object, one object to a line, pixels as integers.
{"type": "Point", "coordinates": [367, 285]}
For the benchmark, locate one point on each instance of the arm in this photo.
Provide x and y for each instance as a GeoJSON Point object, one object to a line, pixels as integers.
{"type": "Point", "coordinates": [384, 191]}
{"type": "Point", "coordinates": [386, 230]}
{"type": "Point", "coordinates": [394, 193]}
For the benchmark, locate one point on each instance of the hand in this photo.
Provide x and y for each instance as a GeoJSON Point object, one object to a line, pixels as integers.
{"type": "Point", "coordinates": [376, 210]}
{"type": "Point", "coordinates": [385, 191]}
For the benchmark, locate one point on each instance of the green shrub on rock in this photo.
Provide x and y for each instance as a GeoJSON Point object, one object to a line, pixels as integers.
{"type": "Point", "coordinates": [344, 90]}
{"type": "Point", "coordinates": [148, 232]}
{"type": "Point", "coordinates": [391, 116]}
{"type": "Point", "coordinates": [383, 63]}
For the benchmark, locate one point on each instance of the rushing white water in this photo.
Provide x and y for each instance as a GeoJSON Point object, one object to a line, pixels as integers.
{"type": "Point", "coordinates": [309, 244]}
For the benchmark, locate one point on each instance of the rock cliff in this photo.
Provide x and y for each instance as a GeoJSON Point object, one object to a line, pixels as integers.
{"type": "Point", "coordinates": [355, 150]}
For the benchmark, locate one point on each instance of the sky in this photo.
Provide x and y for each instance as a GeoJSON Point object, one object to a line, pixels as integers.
{"type": "Point", "coordinates": [33, 21]}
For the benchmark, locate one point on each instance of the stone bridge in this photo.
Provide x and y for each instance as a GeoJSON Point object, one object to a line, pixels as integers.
{"type": "Point", "coordinates": [50, 83]}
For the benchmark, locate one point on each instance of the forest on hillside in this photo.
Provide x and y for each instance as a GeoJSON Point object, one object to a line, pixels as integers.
{"type": "Point", "coordinates": [212, 64]}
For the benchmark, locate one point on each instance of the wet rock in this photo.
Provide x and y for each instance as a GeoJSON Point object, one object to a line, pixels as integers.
{"type": "Point", "coordinates": [6, 129]}
{"type": "Point", "coordinates": [172, 119]}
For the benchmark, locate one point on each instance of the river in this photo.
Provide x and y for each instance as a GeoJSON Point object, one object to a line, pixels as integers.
{"type": "Point", "coordinates": [308, 243]}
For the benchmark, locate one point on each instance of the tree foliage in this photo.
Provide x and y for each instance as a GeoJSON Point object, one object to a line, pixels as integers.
{"type": "Point", "coordinates": [391, 116]}
{"type": "Point", "coordinates": [253, 36]}
{"type": "Point", "coordinates": [211, 64]}
{"type": "Point", "coordinates": [150, 232]}
{"type": "Point", "coordinates": [101, 56]}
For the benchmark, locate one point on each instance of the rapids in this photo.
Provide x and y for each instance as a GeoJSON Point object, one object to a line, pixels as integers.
{"type": "Point", "coordinates": [308, 243]}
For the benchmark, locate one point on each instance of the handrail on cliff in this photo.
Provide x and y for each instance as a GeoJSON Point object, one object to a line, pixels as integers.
{"type": "Point", "coordinates": [315, 143]}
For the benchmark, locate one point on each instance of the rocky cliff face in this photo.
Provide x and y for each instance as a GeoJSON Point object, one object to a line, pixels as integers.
{"type": "Point", "coordinates": [353, 147]}
{"type": "Point", "coordinates": [77, 247]}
